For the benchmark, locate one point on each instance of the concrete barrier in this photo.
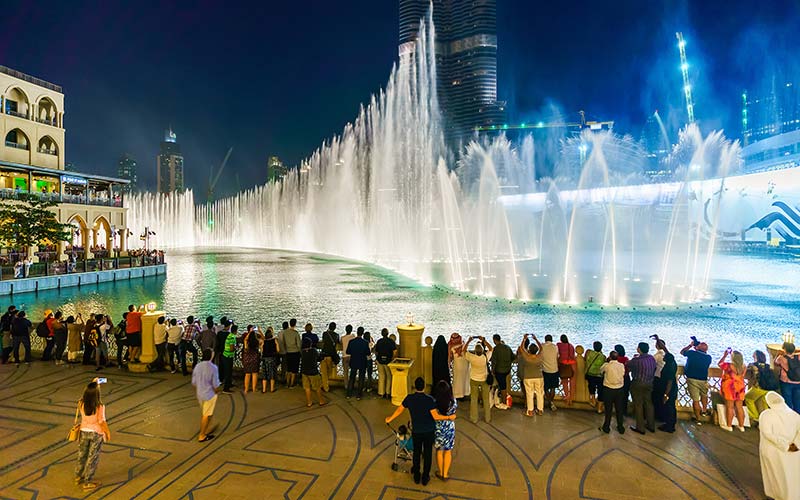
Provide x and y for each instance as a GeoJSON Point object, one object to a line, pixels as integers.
{"type": "Point", "coordinates": [25, 285]}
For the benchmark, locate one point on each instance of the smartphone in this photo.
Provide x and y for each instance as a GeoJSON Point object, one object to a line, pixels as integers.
{"type": "Point", "coordinates": [102, 380]}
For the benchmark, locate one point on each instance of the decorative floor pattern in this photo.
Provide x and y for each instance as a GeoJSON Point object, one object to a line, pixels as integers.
{"type": "Point", "coordinates": [272, 446]}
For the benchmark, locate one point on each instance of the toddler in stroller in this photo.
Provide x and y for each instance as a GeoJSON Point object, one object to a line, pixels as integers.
{"type": "Point", "coordinates": [403, 447]}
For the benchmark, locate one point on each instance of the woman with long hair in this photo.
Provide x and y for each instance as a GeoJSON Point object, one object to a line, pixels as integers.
{"type": "Point", "coordinates": [251, 358]}
{"type": "Point", "coordinates": [733, 388]}
{"type": "Point", "coordinates": [566, 368]}
{"type": "Point", "coordinates": [445, 429]}
{"type": "Point", "coordinates": [269, 363]}
{"type": "Point", "coordinates": [760, 380]}
{"type": "Point", "coordinates": [94, 430]}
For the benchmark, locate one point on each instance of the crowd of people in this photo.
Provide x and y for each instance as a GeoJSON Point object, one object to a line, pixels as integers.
{"type": "Point", "coordinates": [461, 368]}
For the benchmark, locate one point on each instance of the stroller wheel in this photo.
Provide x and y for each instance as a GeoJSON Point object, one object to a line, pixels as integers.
{"type": "Point", "coordinates": [394, 467]}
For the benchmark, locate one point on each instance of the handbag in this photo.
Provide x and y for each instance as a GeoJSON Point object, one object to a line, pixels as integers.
{"type": "Point", "coordinates": [489, 374]}
{"type": "Point", "coordinates": [335, 358]}
{"type": "Point", "coordinates": [75, 431]}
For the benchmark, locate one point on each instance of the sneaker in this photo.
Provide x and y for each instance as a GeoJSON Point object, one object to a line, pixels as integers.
{"type": "Point", "coordinates": [726, 428]}
{"type": "Point", "coordinates": [553, 406]}
{"type": "Point", "coordinates": [90, 485]}
{"type": "Point", "coordinates": [174, 371]}
{"type": "Point", "coordinates": [741, 429]}
{"type": "Point", "coordinates": [227, 391]}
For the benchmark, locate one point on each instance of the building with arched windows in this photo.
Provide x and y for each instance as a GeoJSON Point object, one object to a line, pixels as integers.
{"type": "Point", "coordinates": [32, 162]}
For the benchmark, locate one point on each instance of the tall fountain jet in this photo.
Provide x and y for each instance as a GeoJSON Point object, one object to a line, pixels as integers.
{"type": "Point", "coordinates": [383, 192]}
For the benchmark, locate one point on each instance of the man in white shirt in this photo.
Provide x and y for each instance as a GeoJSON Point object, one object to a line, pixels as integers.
{"type": "Point", "coordinates": [174, 333]}
{"type": "Point", "coordinates": [346, 338]}
{"type": "Point", "coordinates": [549, 355]}
{"type": "Point", "coordinates": [160, 339]}
{"type": "Point", "coordinates": [478, 363]}
{"type": "Point", "coordinates": [658, 384]}
{"type": "Point", "coordinates": [614, 392]}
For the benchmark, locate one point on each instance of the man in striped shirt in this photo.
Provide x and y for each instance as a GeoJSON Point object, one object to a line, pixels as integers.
{"type": "Point", "coordinates": [190, 331]}
{"type": "Point", "coordinates": [643, 369]}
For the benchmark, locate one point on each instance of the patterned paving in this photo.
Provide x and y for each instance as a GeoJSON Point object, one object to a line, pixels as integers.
{"type": "Point", "coordinates": [272, 446]}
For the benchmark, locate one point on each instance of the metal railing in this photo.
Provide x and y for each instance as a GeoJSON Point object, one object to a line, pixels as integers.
{"type": "Point", "coordinates": [46, 121]}
{"type": "Point", "coordinates": [31, 79]}
{"type": "Point", "coordinates": [46, 151]}
{"type": "Point", "coordinates": [16, 194]}
{"type": "Point", "coordinates": [17, 145]}
{"type": "Point", "coordinates": [16, 113]}
{"type": "Point", "coordinates": [48, 268]}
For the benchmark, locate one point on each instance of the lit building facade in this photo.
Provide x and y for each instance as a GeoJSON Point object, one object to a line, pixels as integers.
{"type": "Point", "coordinates": [32, 163]}
{"type": "Point", "coordinates": [771, 112]}
{"type": "Point", "coordinates": [169, 164]}
{"type": "Point", "coordinates": [275, 169]}
{"type": "Point", "coordinates": [126, 169]}
{"type": "Point", "coordinates": [466, 55]}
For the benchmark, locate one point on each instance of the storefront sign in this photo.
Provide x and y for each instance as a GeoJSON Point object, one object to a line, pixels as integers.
{"type": "Point", "coordinates": [69, 179]}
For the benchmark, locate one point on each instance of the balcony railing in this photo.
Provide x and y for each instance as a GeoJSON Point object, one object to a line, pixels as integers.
{"type": "Point", "coordinates": [15, 194]}
{"type": "Point", "coordinates": [47, 122]}
{"type": "Point", "coordinates": [17, 114]}
{"type": "Point", "coordinates": [17, 145]}
{"type": "Point", "coordinates": [46, 151]}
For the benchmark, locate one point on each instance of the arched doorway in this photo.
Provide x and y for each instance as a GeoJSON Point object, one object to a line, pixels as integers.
{"type": "Point", "coordinates": [79, 240]}
{"type": "Point", "coordinates": [102, 237]}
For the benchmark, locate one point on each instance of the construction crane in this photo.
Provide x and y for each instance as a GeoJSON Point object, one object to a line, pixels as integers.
{"type": "Point", "coordinates": [212, 180]}
{"type": "Point", "coordinates": [687, 89]}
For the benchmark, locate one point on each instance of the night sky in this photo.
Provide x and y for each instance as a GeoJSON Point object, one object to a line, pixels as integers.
{"type": "Point", "coordinates": [277, 77]}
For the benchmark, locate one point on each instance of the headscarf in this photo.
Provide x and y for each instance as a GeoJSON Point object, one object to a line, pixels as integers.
{"type": "Point", "coordinates": [455, 341]}
{"type": "Point", "coordinates": [779, 423]}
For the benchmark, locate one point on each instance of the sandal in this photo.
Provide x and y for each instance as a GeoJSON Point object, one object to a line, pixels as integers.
{"type": "Point", "coordinates": [439, 475]}
{"type": "Point", "coordinates": [309, 405]}
{"type": "Point", "coordinates": [323, 404]}
{"type": "Point", "coordinates": [208, 437]}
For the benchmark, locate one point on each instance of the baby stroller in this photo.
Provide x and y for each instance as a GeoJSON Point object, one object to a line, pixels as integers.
{"type": "Point", "coordinates": [403, 447]}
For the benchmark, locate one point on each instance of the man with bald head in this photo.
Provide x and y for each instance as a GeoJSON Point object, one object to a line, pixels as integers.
{"type": "Point", "coordinates": [696, 370]}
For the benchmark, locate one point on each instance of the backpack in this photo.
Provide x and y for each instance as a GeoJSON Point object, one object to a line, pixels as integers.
{"type": "Point", "coordinates": [766, 378]}
{"type": "Point", "coordinates": [793, 371]}
{"type": "Point", "coordinates": [42, 330]}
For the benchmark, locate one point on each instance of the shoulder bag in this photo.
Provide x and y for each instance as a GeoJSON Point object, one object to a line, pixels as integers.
{"type": "Point", "coordinates": [75, 431]}
{"type": "Point", "coordinates": [489, 374]}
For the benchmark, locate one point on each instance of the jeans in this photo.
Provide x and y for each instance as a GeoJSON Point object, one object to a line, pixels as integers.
{"type": "Point", "coordinates": [161, 353]}
{"type": "Point", "coordinates": [423, 445]}
{"type": "Point", "coordinates": [476, 387]}
{"type": "Point", "coordinates": [26, 343]}
{"type": "Point", "coordinates": [642, 395]}
{"type": "Point", "coordinates": [614, 400]}
{"type": "Point", "coordinates": [89, 445]}
{"type": "Point", "coordinates": [121, 345]}
{"type": "Point", "coordinates": [172, 350]}
{"type": "Point", "coordinates": [351, 382]}
{"type": "Point", "coordinates": [226, 367]}
{"type": "Point", "coordinates": [384, 380]}
{"type": "Point", "coordinates": [61, 344]}
{"type": "Point", "coordinates": [49, 344]}
{"type": "Point", "coordinates": [187, 346]}
{"type": "Point", "coordinates": [88, 353]}
{"type": "Point", "coordinates": [534, 387]}
{"type": "Point", "coordinates": [791, 394]}
{"type": "Point", "coordinates": [670, 411]}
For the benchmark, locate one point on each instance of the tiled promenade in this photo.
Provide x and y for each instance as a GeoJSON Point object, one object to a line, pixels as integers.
{"type": "Point", "coordinates": [272, 446]}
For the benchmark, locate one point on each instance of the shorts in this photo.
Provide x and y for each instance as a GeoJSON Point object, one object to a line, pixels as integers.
{"type": "Point", "coordinates": [698, 389]}
{"type": "Point", "coordinates": [292, 362]}
{"type": "Point", "coordinates": [102, 349]}
{"type": "Point", "coordinates": [595, 384]}
{"type": "Point", "coordinates": [551, 380]}
{"type": "Point", "coordinates": [501, 379]}
{"type": "Point", "coordinates": [566, 370]}
{"type": "Point", "coordinates": [207, 407]}
{"type": "Point", "coordinates": [312, 382]}
{"type": "Point", "coordinates": [134, 339]}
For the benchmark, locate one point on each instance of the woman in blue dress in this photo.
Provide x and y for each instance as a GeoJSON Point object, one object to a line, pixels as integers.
{"type": "Point", "coordinates": [445, 429]}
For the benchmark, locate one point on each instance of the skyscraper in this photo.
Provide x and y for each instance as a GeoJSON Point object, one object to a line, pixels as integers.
{"type": "Point", "coordinates": [126, 169]}
{"type": "Point", "coordinates": [275, 168]}
{"type": "Point", "coordinates": [169, 164]}
{"type": "Point", "coordinates": [466, 55]}
{"type": "Point", "coordinates": [774, 110]}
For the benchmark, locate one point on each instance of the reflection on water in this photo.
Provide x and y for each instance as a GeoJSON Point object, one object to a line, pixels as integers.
{"type": "Point", "coordinates": [267, 287]}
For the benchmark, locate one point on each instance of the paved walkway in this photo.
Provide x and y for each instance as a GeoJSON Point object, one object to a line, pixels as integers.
{"type": "Point", "coordinates": [272, 446]}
